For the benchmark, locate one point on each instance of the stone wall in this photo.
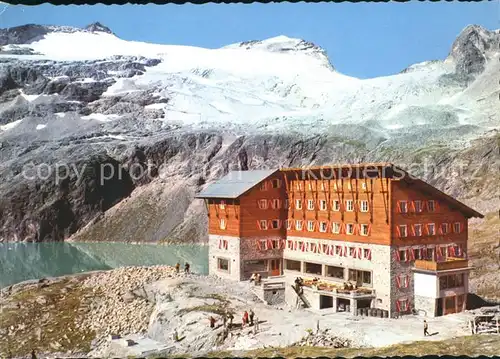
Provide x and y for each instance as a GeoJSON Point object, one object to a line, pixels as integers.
{"type": "Point", "coordinates": [250, 251]}
{"type": "Point", "coordinates": [425, 305]}
{"type": "Point", "coordinates": [232, 253]}
{"type": "Point", "coordinates": [403, 269]}
{"type": "Point", "coordinates": [274, 296]}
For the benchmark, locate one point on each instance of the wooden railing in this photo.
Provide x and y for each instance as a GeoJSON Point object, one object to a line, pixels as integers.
{"type": "Point", "coordinates": [451, 263]}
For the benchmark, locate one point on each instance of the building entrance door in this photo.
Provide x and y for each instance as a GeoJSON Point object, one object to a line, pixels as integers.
{"type": "Point", "coordinates": [450, 305]}
{"type": "Point", "coordinates": [275, 269]}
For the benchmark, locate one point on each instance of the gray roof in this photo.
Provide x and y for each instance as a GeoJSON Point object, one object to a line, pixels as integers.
{"type": "Point", "coordinates": [234, 184]}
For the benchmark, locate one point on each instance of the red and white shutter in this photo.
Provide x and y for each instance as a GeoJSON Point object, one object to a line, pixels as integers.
{"type": "Point", "coordinates": [369, 255]}
{"type": "Point", "coordinates": [258, 225]}
{"type": "Point", "coordinates": [259, 246]}
{"type": "Point", "coordinates": [360, 253]}
{"type": "Point", "coordinates": [355, 253]}
{"type": "Point", "coordinates": [407, 281]}
{"type": "Point", "coordinates": [398, 281]}
{"type": "Point", "coordinates": [397, 256]}
{"type": "Point", "coordinates": [369, 229]}
{"type": "Point", "coordinates": [398, 305]}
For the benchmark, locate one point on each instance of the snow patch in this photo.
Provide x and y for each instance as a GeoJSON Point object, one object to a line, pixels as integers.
{"type": "Point", "coordinates": [100, 117]}
{"type": "Point", "coordinates": [10, 126]}
{"type": "Point", "coordinates": [40, 127]}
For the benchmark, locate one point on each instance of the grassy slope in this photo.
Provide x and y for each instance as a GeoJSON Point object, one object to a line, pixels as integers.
{"type": "Point", "coordinates": [50, 316]}
{"type": "Point", "coordinates": [469, 345]}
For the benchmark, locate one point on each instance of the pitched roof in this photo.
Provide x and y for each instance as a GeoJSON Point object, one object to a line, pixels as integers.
{"type": "Point", "coordinates": [234, 184]}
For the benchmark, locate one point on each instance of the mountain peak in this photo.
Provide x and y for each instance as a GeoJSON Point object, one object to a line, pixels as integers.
{"type": "Point", "coordinates": [472, 47]}
{"type": "Point", "coordinates": [98, 27]}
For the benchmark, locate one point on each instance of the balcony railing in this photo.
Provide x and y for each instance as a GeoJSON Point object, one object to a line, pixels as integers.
{"type": "Point", "coordinates": [449, 263]}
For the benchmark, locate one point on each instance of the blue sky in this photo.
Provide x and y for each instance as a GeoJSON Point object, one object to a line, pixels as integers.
{"type": "Point", "coordinates": [361, 39]}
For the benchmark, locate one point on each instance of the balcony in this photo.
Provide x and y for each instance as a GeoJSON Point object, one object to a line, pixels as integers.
{"type": "Point", "coordinates": [448, 264]}
{"type": "Point", "coordinates": [338, 289]}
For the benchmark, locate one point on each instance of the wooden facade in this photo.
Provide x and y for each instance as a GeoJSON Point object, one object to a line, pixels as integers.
{"type": "Point", "coordinates": [362, 208]}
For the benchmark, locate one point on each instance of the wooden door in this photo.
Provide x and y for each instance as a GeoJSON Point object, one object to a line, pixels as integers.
{"type": "Point", "coordinates": [460, 303]}
{"type": "Point", "coordinates": [275, 269]}
{"type": "Point", "coordinates": [450, 306]}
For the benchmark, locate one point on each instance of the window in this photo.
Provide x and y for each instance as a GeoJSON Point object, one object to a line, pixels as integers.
{"type": "Point", "coordinates": [222, 205]}
{"type": "Point", "coordinates": [456, 227]}
{"type": "Point", "coordinates": [276, 183]}
{"type": "Point", "coordinates": [336, 205]}
{"type": "Point", "coordinates": [263, 186]}
{"type": "Point", "coordinates": [335, 227]}
{"type": "Point", "coordinates": [292, 265]}
{"type": "Point", "coordinates": [451, 281]}
{"type": "Point", "coordinates": [349, 207]}
{"type": "Point", "coordinates": [310, 226]}
{"type": "Point", "coordinates": [429, 255]}
{"type": "Point", "coordinates": [338, 250]}
{"type": "Point", "coordinates": [223, 264]}
{"type": "Point", "coordinates": [322, 186]}
{"type": "Point", "coordinates": [366, 253]}
{"type": "Point", "coordinates": [367, 277]}
{"type": "Point", "coordinates": [418, 229]}
{"type": "Point", "coordinates": [276, 243]}
{"type": "Point", "coordinates": [402, 305]}
{"type": "Point", "coordinates": [444, 228]}
{"type": "Point", "coordinates": [403, 231]}
{"type": "Point", "coordinates": [431, 206]}
{"type": "Point", "coordinates": [288, 224]}
{"type": "Point", "coordinates": [364, 186]}
{"type": "Point", "coordinates": [416, 253]}
{"type": "Point", "coordinates": [403, 206]}
{"type": "Point", "coordinates": [418, 206]}
{"type": "Point", "coordinates": [263, 203]}
{"type": "Point", "coordinates": [263, 224]}
{"type": "Point", "coordinates": [299, 186]}
{"type": "Point", "coordinates": [363, 206]}
{"type": "Point", "coordinates": [349, 229]}
{"type": "Point", "coordinates": [351, 251]}
{"type": "Point", "coordinates": [310, 204]}
{"type": "Point", "coordinates": [402, 256]}
{"type": "Point", "coordinates": [323, 226]}
{"type": "Point", "coordinates": [298, 225]}
{"type": "Point", "coordinates": [298, 204]}
{"type": "Point", "coordinates": [335, 187]}
{"type": "Point", "coordinates": [349, 186]}
{"type": "Point", "coordinates": [313, 268]}
{"type": "Point", "coordinates": [276, 203]}
{"type": "Point", "coordinates": [322, 205]}
{"type": "Point", "coordinates": [222, 223]}
{"type": "Point", "coordinates": [431, 229]}
{"type": "Point", "coordinates": [363, 230]}
{"type": "Point", "coordinates": [335, 272]}
{"type": "Point", "coordinates": [275, 223]}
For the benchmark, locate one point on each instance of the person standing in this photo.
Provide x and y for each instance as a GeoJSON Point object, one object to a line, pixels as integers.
{"type": "Point", "coordinates": [252, 314]}
{"type": "Point", "coordinates": [212, 322]}
{"type": "Point", "coordinates": [177, 267]}
{"type": "Point", "coordinates": [244, 319]}
{"type": "Point", "coordinates": [186, 268]}
{"type": "Point", "coordinates": [426, 328]}
{"type": "Point", "coordinates": [230, 316]}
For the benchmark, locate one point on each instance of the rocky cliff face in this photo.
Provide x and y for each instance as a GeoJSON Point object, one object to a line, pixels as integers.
{"type": "Point", "coordinates": [115, 148]}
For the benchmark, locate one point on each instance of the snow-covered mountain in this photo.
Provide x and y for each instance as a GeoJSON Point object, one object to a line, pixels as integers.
{"type": "Point", "coordinates": [87, 97]}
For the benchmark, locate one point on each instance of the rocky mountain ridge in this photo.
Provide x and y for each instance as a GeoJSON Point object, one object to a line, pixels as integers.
{"type": "Point", "coordinates": [164, 121]}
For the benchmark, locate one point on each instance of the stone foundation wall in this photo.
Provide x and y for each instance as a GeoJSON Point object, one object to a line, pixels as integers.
{"type": "Point", "coordinates": [425, 305]}
{"type": "Point", "coordinates": [274, 296]}
{"type": "Point", "coordinates": [232, 253]}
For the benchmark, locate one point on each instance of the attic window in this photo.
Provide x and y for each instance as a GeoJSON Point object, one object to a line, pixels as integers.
{"type": "Point", "coordinates": [431, 206]}
{"type": "Point", "coordinates": [276, 183]}
{"type": "Point", "coordinates": [263, 186]}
